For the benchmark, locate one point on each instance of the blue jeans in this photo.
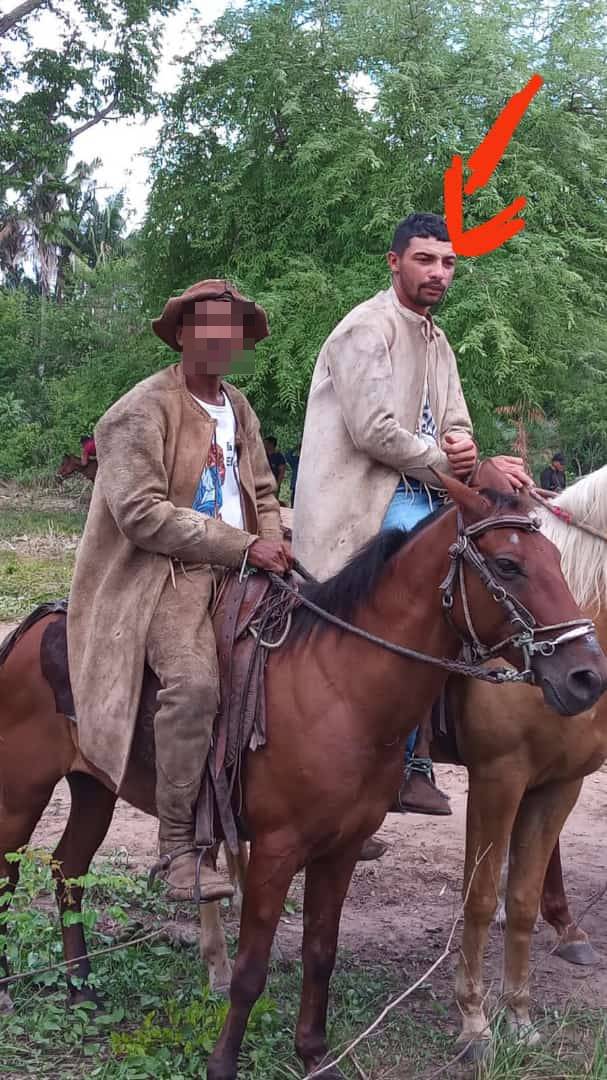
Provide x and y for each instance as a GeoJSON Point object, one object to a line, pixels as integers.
{"type": "Point", "coordinates": [405, 510]}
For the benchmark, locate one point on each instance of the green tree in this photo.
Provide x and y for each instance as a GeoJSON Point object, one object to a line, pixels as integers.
{"type": "Point", "coordinates": [303, 130]}
{"type": "Point", "coordinates": [97, 64]}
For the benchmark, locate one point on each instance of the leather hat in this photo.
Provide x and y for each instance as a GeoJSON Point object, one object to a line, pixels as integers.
{"type": "Point", "coordinates": [212, 289]}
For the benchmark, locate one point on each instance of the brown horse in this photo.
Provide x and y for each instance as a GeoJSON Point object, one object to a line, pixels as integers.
{"type": "Point", "coordinates": [526, 768]}
{"type": "Point", "coordinates": [71, 464]}
{"type": "Point", "coordinates": [328, 774]}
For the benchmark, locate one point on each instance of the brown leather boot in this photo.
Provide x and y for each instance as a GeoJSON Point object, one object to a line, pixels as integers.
{"type": "Point", "coordinates": [190, 875]}
{"type": "Point", "coordinates": [418, 793]}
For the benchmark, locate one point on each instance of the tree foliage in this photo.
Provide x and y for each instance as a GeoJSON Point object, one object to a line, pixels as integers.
{"type": "Point", "coordinates": [300, 133]}
{"type": "Point", "coordinates": [63, 69]}
{"type": "Point", "coordinates": [303, 130]}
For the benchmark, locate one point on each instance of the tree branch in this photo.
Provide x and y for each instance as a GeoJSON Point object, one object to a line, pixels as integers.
{"type": "Point", "coordinates": [17, 14]}
{"type": "Point", "coordinates": [69, 137]}
{"type": "Point", "coordinates": [96, 119]}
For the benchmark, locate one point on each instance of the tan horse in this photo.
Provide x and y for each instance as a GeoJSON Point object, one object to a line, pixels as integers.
{"type": "Point", "coordinates": [331, 766]}
{"type": "Point", "coordinates": [526, 768]}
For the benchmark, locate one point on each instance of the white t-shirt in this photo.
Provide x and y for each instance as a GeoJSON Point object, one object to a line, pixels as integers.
{"type": "Point", "coordinates": [218, 492]}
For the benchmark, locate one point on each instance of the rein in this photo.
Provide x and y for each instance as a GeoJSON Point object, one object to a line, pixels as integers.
{"type": "Point", "coordinates": [464, 550]}
{"type": "Point", "coordinates": [564, 515]}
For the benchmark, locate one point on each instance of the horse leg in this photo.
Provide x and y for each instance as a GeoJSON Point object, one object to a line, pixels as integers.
{"type": "Point", "coordinates": [492, 807]}
{"type": "Point", "coordinates": [541, 816]}
{"type": "Point", "coordinates": [90, 817]}
{"type": "Point", "coordinates": [20, 812]}
{"type": "Point", "coordinates": [213, 948]}
{"type": "Point", "coordinates": [327, 882]}
{"type": "Point", "coordinates": [267, 884]}
{"type": "Point", "coordinates": [500, 914]}
{"type": "Point", "coordinates": [574, 945]}
{"type": "Point", "coordinates": [237, 867]}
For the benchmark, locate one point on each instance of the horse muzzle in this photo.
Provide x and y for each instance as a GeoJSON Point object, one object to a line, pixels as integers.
{"type": "Point", "coordinates": [573, 678]}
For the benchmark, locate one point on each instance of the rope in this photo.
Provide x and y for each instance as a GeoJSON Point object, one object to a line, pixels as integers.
{"type": "Point", "coordinates": [564, 515]}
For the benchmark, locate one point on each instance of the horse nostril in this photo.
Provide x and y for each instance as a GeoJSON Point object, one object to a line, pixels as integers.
{"type": "Point", "coordinates": [585, 684]}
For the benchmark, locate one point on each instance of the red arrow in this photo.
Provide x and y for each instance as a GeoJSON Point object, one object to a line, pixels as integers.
{"type": "Point", "coordinates": [482, 163]}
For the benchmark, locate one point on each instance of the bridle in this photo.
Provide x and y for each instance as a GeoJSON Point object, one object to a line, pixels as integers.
{"type": "Point", "coordinates": [525, 638]}
{"type": "Point", "coordinates": [463, 551]}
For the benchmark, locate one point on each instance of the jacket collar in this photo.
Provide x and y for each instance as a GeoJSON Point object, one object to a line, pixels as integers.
{"type": "Point", "coordinates": [230, 392]}
{"type": "Point", "coordinates": [425, 322]}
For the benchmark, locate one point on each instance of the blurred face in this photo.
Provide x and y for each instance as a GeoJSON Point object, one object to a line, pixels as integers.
{"type": "Point", "coordinates": [217, 337]}
{"type": "Point", "coordinates": [423, 273]}
{"type": "Point", "coordinates": [558, 465]}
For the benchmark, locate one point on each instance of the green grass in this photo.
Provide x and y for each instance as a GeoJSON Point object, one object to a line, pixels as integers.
{"type": "Point", "coordinates": [27, 522]}
{"type": "Point", "coordinates": [161, 1021]}
{"type": "Point", "coordinates": [26, 581]}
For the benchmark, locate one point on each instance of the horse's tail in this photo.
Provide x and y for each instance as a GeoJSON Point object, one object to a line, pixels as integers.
{"type": "Point", "coordinates": [54, 607]}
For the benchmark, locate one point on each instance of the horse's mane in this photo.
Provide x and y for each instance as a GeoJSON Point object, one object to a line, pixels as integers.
{"type": "Point", "coordinates": [583, 557]}
{"type": "Point", "coordinates": [344, 593]}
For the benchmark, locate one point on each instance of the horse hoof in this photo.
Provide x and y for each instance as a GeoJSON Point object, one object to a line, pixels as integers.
{"type": "Point", "coordinates": [217, 1071]}
{"type": "Point", "coordinates": [6, 1004]}
{"type": "Point", "coordinates": [577, 952]}
{"type": "Point", "coordinates": [524, 1034]}
{"type": "Point", "coordinates": [328, 1074]}
{"type": "Point", "coordinates": [474, 1051]}
{"type": "Point", "coordinates": [85, 996]}
{"type": "Point", "coordinates": [372, 849]}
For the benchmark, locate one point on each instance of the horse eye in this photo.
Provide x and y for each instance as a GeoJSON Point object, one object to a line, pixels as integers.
{"type": "Point", "coordinates": [507, 568]}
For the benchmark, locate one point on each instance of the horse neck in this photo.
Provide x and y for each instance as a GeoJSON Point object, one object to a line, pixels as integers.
{"type": "Point", "coordinates": [406, 609]}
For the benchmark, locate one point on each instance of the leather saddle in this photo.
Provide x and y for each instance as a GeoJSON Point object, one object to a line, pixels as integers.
{"type": "Point", "coordinates": [249, 616]}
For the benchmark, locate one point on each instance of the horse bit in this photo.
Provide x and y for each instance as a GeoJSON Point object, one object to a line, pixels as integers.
{"type": "Point", "coordinates": [464, 550]}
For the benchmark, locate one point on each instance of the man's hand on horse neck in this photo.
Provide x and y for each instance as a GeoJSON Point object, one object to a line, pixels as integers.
{"type": "Point", "coordinates": [513, 468]}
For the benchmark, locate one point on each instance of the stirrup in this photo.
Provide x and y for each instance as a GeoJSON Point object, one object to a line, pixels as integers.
{"type": "Point", "coordinates": [165, 861]}
{"type": "Point", "coordinates": [423, 765]}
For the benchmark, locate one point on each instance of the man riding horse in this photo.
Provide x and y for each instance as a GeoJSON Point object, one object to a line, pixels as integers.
{"type": "Point", "coordinates": [387, 406]}
{"type": "Point", "coordinates": [184, 491]}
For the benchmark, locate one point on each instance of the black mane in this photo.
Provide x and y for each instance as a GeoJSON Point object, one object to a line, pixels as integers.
{"type": "Point", "coordinates": [343, 594]}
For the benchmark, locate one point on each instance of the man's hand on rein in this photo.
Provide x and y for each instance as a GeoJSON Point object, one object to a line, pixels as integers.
{"type": "Point", "coordinates": [461, 452]}
{"type": "Point", "coordinates": [274, 555]}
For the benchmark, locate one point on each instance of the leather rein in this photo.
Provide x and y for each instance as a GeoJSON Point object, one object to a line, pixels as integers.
{"type": "Point", "coordinates": [524, 637]}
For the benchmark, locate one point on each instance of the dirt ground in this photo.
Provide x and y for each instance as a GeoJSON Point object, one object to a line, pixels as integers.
{"type": "Point", "coordinates": [400, 909]}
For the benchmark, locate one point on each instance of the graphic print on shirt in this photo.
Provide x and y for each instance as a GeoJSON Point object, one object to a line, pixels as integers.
{"type": "Point", "coordinates": [427, 425]}
{"type": "Point", "coordinates": [209, 493]}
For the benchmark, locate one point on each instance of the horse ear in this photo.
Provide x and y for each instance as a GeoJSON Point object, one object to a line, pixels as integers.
{"type": "Point", "coordinates": [474, 506]}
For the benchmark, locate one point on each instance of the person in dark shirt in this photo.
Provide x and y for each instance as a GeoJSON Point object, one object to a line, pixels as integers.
{"type": "Point", "coordinates": [277, 461]}
{"type": "Point", "coordinates": [553, 477]}
{"type": "Point", "coordinates": [292, 458]}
